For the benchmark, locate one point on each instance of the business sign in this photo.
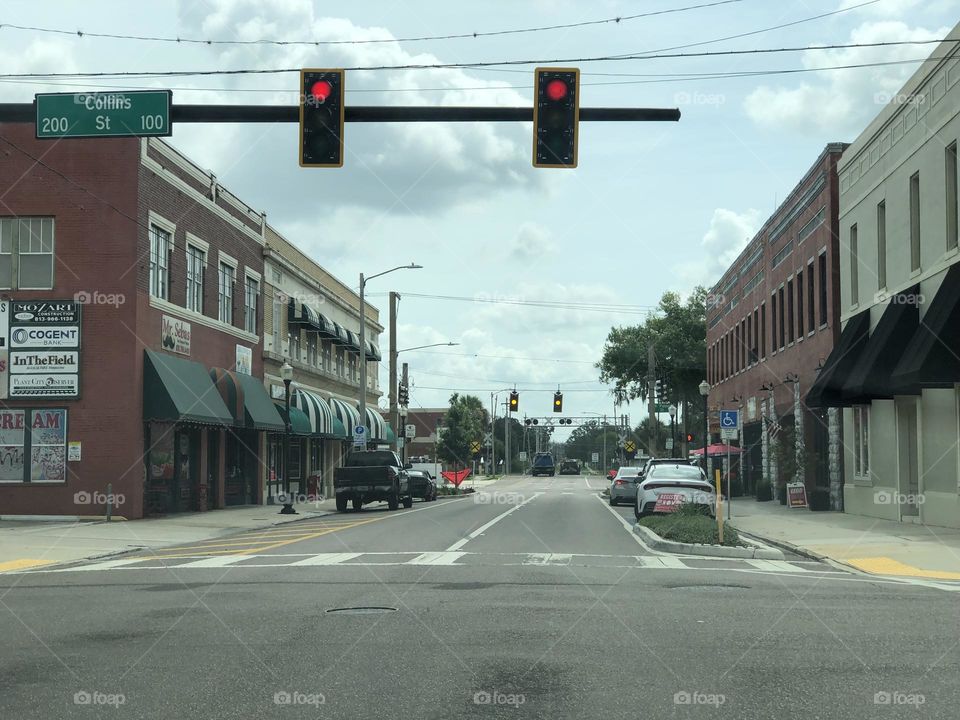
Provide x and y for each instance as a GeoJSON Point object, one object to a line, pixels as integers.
{"type": "Point", "coordinates": [175, 335]}
{"type": "Point", "coordinates": [74, 449]}
{"type": "Point", "coordinates": [244, 360]}
{"type": "Point", "coordinates": [44, 361]}
{"type": "Point", "coordinates": [4, 344]}
{"type": "Point", "coordinates": [796, 495]}
{"type": "Point", "coordinates": [42, 346]}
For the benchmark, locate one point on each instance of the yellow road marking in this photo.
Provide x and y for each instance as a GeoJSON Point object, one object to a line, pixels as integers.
{"type": "Point", "coordinates": [889, 566]}
{"type": "Point", "coordinates": [23, 563]}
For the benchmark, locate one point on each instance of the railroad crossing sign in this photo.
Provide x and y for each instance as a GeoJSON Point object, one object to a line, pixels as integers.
{"type": "Point", "coordinates": [475, 447]}
{"type": "Point", "coordinates": [488, 439]}
{"type": "Point", "coordinates": [630, 446]}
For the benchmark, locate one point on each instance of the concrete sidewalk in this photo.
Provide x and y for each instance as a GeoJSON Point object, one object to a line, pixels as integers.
{"type": "Point", "coordinates": [25, 544]}
{"type": "Point", "coordinates": [880, 547]}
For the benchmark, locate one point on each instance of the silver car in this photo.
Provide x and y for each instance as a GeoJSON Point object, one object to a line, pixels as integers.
{"type": "Point", "coordinates": [685, 481]}
{"type": "Point", "coordinates": [623, 487]}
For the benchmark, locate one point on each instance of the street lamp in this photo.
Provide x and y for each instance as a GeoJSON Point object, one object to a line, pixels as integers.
{"type": "Point", "coordinates": [673, 434]}
{"type": "Point", "coordinates": [705, 392]}
{"type": "Point", "coordinates": [421, 347]}
{"type": "Point", "coordinates": [363, 336]}
{"type": "Point", "coordinates": [286, 374]}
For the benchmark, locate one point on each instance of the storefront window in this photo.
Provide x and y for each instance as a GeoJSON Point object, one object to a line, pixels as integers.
{"type": "Point", "coordinates": [41, 434]}
{"type": "Point", "coordinates": [293, 460]}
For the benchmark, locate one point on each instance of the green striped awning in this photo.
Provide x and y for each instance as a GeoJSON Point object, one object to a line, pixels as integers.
{"type": "Point", "coordinates": [315, 408]}
{"type": "Point", "coordinates": [346, 414]}
{"type": "Point", "coordinates": [376, 425]}
{"type": "Point", "coordinates": [373, 352]}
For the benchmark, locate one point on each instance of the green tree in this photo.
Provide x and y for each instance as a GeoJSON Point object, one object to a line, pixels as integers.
{"type": "Point", "coordinates": [677, 331]}
{"type": "Point", "coordinates": [466, 421]}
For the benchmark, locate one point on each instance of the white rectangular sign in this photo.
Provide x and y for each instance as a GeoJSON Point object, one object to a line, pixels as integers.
{"type": "Point", "coordinates": [595, 457]}
{"type": "Point", "coordinates": [729, 433]}
{"type": "Point", "coordinates": [175, 335]}
{"type": "Point", "coordinates": [44, 361]}
{"type": "Point", "coordinates": [62, 336]}
{"type": "Point", "coordinates": [410, 431]}
{"type": "Point", "coordinates": [41, 385]}
{"type": "Point", "coordinates": [244, 360]}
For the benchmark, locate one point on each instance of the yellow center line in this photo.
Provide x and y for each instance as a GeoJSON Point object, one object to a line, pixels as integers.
{"type": "Point", "coordinates": [23, 563]}
{"type": "Point", "coordinates": [889, 566]}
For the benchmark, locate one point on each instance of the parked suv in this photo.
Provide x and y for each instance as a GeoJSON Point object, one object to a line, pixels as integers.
{"type": "Point", "coordinates": [543, 465]}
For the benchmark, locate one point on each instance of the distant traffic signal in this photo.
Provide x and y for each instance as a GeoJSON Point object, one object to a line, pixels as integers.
{"type": "Point", "coordinates": [689, 437]}
{"type": "Point", "coordinates": [403, 394]}
{"type": "Point", "coordinates": [514, 401]}
{"type": "Point", "coordinates": [558, 402]}
{"type": "Point", "coordinates": [321, 118]}
{"type": "Point", "coordinates": [556, 115]}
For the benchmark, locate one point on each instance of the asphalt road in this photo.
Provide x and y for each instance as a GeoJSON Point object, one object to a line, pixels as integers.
{"type": "Point", "coordinates": [530, 599]}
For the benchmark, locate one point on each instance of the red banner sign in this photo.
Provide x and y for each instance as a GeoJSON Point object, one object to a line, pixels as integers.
{"type": "Point", "coordinates": [796, 495]}
{"type": "Point", "coordinates": [668, 502]}
{"type": "Point", "coordinates": [455, 477]}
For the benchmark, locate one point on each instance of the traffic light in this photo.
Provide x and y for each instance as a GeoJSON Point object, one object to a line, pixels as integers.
{"type": "Point", "coordinates": [689, 437]}
{"type": "Point", "coordinates": [558, 402]}
{"type": "Point", "coordinates": [514, 401]}
{"type": "Point", "coordinates": [556, 114]}
{"type": "Point", "coordinates": [403, 394]}
{"type": "Point", "coordinates": [321, 118]}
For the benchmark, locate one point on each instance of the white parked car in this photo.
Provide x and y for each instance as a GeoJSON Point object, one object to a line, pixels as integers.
{"type": "Point", "coordinates": [685, 481]}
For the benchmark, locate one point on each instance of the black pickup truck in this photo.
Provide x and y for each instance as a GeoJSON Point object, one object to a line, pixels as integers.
{"type": "Point", "coordinates": [371, 475]}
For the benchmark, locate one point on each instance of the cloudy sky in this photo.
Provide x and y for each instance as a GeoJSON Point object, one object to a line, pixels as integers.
{"type": "Point", "coordinates": [527, 269]}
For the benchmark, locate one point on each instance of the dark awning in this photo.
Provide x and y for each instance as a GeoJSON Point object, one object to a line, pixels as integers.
{"type": "Point", "coordinates": [247, 400]}
{"type": "Point", "coordinates": [354, 341]}
{"type": "Point", "coordinates": [827, 390]}
{"type": "Point", "coordinates": [931, 359]}
{"type": "Point", "coordinates": [179, 390]}
{"type": "Point", "coordinates": [871, 378]}
{"type": "Point", "coordinates": [373, 352]}
{"type": "Point", "coordinates": [299, 313]}
{"type": "Point", "coordinates": [299, 422]}
{"type": "Point", "coordinates": [325, 326]}
{"type": "Point", "coordinates": [341, 337]}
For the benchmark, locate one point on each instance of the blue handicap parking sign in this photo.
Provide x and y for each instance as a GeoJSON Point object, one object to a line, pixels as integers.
{"type": "Point", "coordinates": [729, 419]}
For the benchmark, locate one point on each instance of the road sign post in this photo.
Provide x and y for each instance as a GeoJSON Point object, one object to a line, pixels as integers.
{"type": "Point", "coordinates": [104, 114]}
{"type": "Point", "coordinates": [360, 437]}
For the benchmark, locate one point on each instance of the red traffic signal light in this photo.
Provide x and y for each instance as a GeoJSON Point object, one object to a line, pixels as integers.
{"type": "Point", "coordinates": [689, 437]}
{"type": "Point", "coordinates": [321, 118]}
{"type": "Point", "coordinates": [556, 115]}
{"type": "Point", "coordinates": [558, 402]}
{"type": "Point", "coordinates": [514, 401]}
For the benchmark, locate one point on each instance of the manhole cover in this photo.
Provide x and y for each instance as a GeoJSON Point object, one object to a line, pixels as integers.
{"type": "Point", "coordinates": [369, 610]}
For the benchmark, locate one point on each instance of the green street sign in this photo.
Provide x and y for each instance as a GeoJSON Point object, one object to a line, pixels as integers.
{"type": "Point", "coordinates": [104, 114]}
{"type": "Point", "coordinates": [662, 407]}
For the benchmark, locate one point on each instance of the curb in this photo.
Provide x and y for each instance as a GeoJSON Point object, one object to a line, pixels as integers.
{"type": "Point", "coordinates": [658, 543]}
{"type": "Point", "coordinates": [62, 518]}
{"type": "Point", "coordinates": [788, 546]}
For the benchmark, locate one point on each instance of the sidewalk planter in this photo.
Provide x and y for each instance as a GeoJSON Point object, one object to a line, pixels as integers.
{"type": "Point", "coordinates": [782, 493]}
{"type": "Point", "coordinates": [764, 492]}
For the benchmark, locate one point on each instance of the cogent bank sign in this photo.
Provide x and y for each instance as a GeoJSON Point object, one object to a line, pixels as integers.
{"type": "Point", "coordinates": [46, 337]}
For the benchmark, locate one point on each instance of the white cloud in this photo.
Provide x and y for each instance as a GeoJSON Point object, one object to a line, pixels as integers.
{"type": "Point", "coordinates": [532, 243]}
{"type": "Point", "coordinates": [839, 103]}
{"type": "Point", "coordinates": [728, 234]}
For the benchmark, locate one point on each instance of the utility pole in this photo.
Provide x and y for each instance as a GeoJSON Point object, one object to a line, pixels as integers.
{"type": "Point", "coordinates": [506, 439]}
{"type": "Point", "coordinates": [493, 439]}
{"type": "Point", "coordinates": [394, 410]}
{"type": "Point", "coordinates": [651, 400]}
{"type": "Point", "coordinates": [401, 428]}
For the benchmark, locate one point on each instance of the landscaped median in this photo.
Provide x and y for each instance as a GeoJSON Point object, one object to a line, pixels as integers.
{"type": "Point", "coordinates": [691, 532]}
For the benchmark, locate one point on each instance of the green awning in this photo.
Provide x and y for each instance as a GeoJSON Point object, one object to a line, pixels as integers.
{"type": "Point", "coordinates": [339, 431]}
{"type": "Point", "coordinates": [179, 390]}
{"type": "Point", "coordinates": [299, 422]}
{"type": "Point", "coordinates": [260, 411]}
{"type": "Point", "coordinates": [391, 435]}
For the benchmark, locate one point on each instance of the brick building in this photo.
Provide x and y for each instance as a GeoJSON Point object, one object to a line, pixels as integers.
{"type": "Point", "coordinates": [772, 321]}
{"type": "Point", "coordinates": [131, 322]}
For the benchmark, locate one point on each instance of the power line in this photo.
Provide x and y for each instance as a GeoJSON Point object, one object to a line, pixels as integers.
{"type": "Point", "coordinates": [469, 65]}
{"type": "Point", "coordinates": [549, 304]}
{"type": "Point", "coordinates": [455, 36]}
{"type": "Point", "coordinates": [505, 357]}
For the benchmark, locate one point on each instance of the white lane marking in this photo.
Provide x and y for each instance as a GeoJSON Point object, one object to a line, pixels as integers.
{"type": "Point", "coordinates": [548, 559]}
{"type": "Point", "coordinates": [629, 528]}
{"type": "Point", "coordinates": [486, 526]}
{"type": "Point", "coordinates": [105, 565]}
{"type": "Point", "coordinates": [778, 565]}
{"type": "Point", "coordinates": [328, 558]}
{"type": "Point", "coordinates": [218, 561]}
{"type": "Point", "coordinates": [566, 493]}
{"type": "Point", "coordinates": [670, 562]}
{"type": "Point", "coordinates": [436, 558]}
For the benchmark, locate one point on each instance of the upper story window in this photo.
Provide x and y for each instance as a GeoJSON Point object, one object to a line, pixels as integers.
{"type": "Point", "coordinates": [279, 308]}
{"type": "Point", "coordinates": [854, 266]}
{"type": "Point", "coordinates": [161, 244]}
{"type": "Point", "coordinates": [915, 221]}
{"type": "Point", "coordinates": [196, 265]}
{"type": "Point", "coordinates": [26, 253]}
{"type": "Point", "coordinates": [227, 277]}
{"type": "Point", "coordinates": [250, 295]}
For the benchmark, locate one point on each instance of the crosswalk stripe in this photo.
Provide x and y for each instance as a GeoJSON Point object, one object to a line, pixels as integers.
{"type": "Point", "coordinates": [548, 559]}
{"type": "Point", "coordinates": [218, 561]}
{"type": "Point", "coordinates": [436, 558]}
{"type": "Point", "coordinates": [665, 561]}
{"type": "Point", "coordinates": [778, 565]}
{"type": "Point", "coordinates": [104, 565]}
{"type": "Point", "coordinates": [327, 558]}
